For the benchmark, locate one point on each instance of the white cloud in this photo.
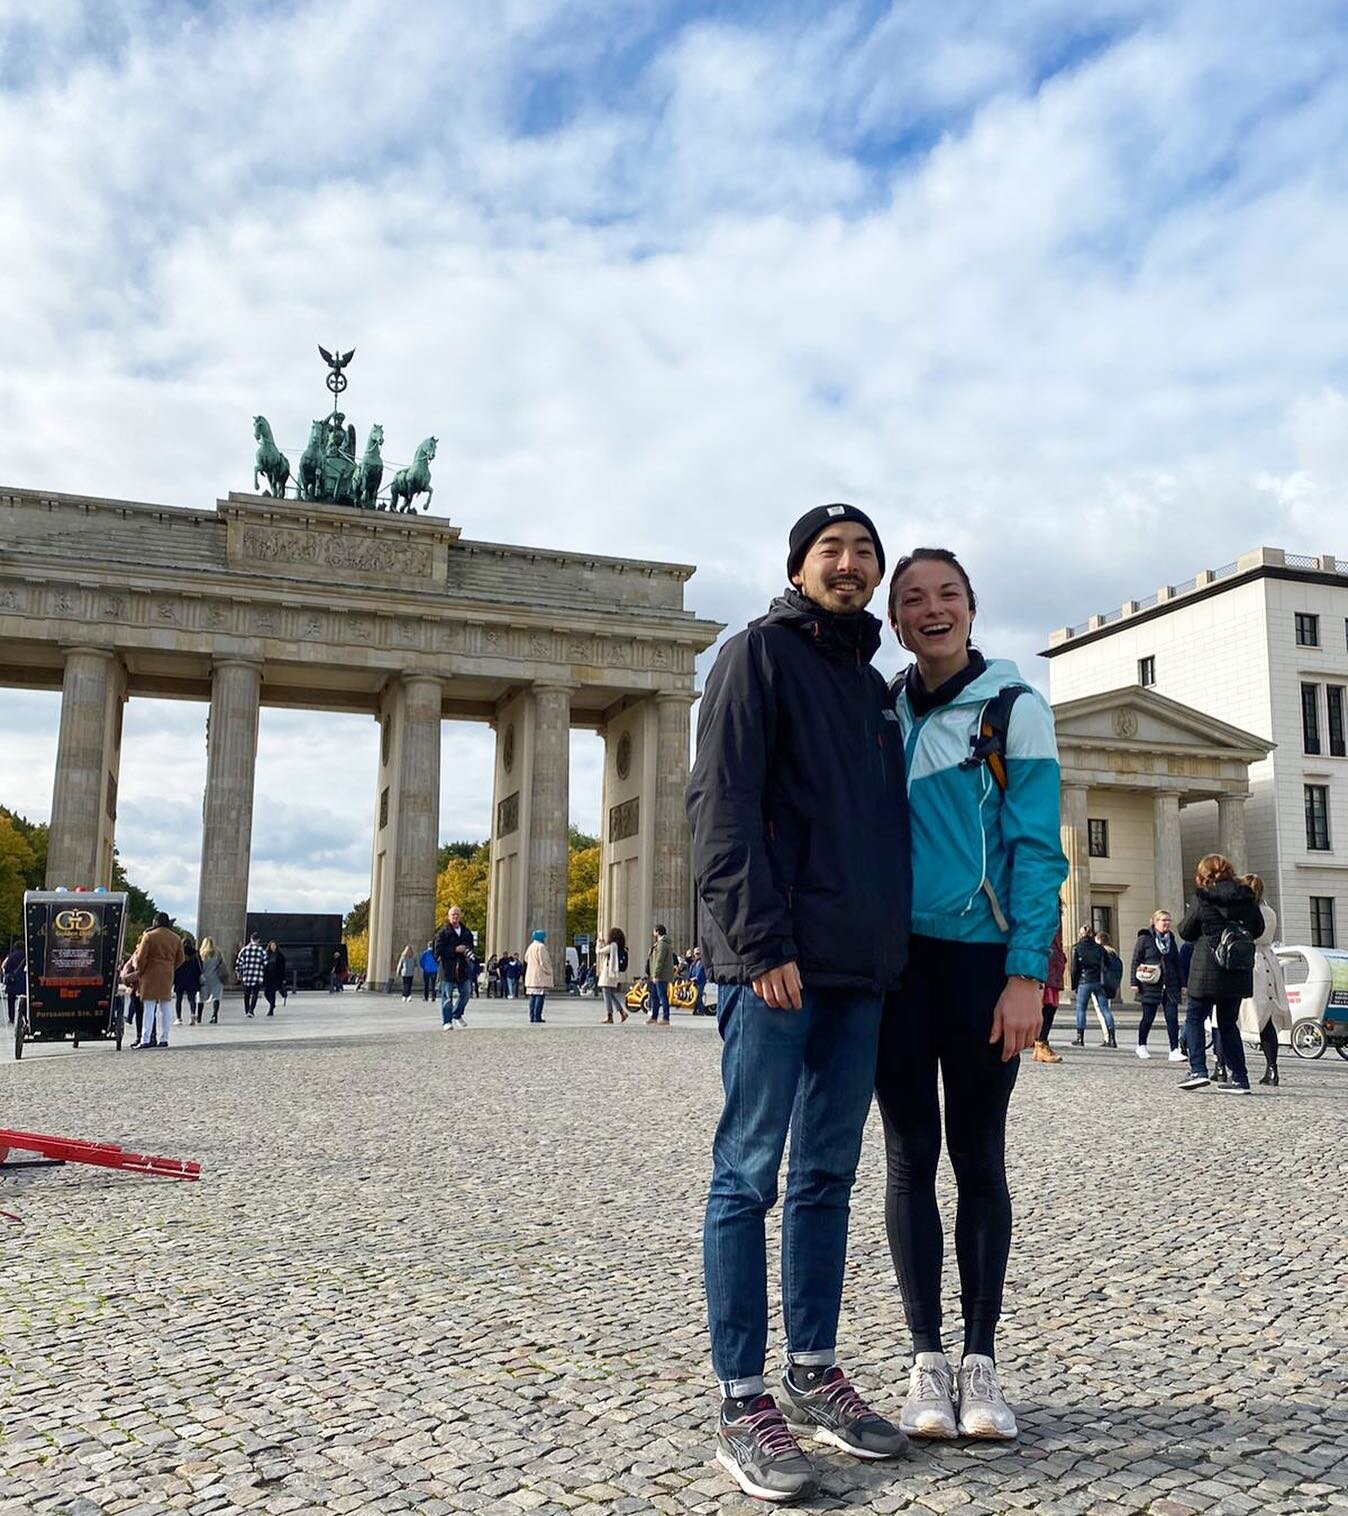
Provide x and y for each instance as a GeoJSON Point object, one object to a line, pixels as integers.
{"type": "Point", "coordinates": [1058, 285]}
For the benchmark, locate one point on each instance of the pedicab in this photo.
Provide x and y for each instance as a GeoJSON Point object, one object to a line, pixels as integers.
{"type": "Point", "coordinates": [73, 947]}
{"type": "Point", "coordinates": [1317, 993]}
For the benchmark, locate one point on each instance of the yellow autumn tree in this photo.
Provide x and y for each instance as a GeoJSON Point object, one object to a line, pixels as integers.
{"type": "Point", "coordinates": [582, 893]}
{"type": "Point", "coordinates": [358, 951]}
{"type": "Point", "coordinates": [463, 882]}
{"type": "Point", "coordinates": [16, 865]}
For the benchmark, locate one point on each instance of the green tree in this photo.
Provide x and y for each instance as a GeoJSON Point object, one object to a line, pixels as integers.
{"type": "Point", "coordinates": [357, 919]}
{"type": "Point", "coordinates": [463, 881]}
{"type": "Point", "coordinates": [582, 892]}
{"type": "Point", "coordinates": [16, 865]}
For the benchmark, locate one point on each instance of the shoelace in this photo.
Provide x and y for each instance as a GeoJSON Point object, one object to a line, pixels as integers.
{"type": "Point", "coordinates": [770, 1428]}
{"type": "Point", "coordinates": [840, 1392]}
{"type": "Point", "coordinates": [983, 1383]}
{"type": "Point", "coordinates": [933, 1384]}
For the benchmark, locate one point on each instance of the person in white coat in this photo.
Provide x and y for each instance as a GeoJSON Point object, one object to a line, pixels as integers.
{"type": "Point", "coordinates": [612, 961]}
{"type": "Point", "coordinates": [1266, 1012]}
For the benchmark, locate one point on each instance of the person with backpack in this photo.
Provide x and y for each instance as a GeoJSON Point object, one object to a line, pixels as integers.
{"type": "Point", "coordinates": [1111, 982]}
{"type": "Point", "coordinates": [1088, 972]}
{"type": "Point", "coordinates": [1223, 923]}
{"type": "Point", "coordinates": [612, 966]}
{"type": "Point", "coordinates": [983, 791]}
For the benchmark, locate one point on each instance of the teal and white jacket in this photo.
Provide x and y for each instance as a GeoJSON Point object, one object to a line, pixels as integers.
{"type": "Point", "coordinates": [987, 866]}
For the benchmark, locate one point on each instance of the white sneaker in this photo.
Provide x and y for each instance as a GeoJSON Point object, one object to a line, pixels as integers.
{"type": "Point", "coordinates": [983, 1408]}
{"type": "Point", "coordinates": [1176, 1056]}
{"type": "Point", "coordinates": [446, 1026]}
{"type": "Point", "coordinates": [1142, 1052]}
{"type": "Point", "coordinates": [929, 1410]}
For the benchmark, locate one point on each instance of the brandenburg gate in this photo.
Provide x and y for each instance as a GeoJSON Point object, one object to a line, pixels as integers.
{"type": "Point", "coordinates": [267, 600]}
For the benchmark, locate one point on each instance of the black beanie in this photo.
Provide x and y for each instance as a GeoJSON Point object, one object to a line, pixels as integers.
{"type": "Point", "coordinates": [813, 522]}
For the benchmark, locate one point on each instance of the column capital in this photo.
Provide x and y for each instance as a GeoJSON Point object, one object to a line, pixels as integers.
{"type": "Point", "coordinates": [229, 661]}
{"type": "Point", "coordinates": [553, 687]}
{"type": "Point", "coordinates": [674, 697]}
{"type": "Point", "coordinates": [88, 647]}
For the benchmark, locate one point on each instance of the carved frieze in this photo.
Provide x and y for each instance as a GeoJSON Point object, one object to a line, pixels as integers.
{"type": "Point", "coordinates": [508, 815]}
{"type": "Point", "coordinates": [624, 820]}
{"type": "Point", "coordinates": [346, 552]}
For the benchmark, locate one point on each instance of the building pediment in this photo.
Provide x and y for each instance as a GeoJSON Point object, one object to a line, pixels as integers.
{"type": "Point", "coordinates": [1136, 719]}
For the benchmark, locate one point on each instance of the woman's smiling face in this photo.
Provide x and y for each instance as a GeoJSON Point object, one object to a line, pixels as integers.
{"type": "Point", "coordinates": [931, 610]}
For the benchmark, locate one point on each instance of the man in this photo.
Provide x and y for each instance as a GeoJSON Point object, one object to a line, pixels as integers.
{"type": "Point", "coordinates": [159, 954]}
{"type": "Point", "coordinates": [799, 814]}
{"type": "Point", "coordinates": [660, 970]}
{"type": "Point", "coordinates": [453, 950]}
{"type": "Point", "coordinates": [250, 969]}
{"type": "Point", "coordinates": [698, 974]}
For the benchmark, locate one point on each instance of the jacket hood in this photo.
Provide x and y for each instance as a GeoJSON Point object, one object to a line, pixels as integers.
{"type": "Point", "coordinates": [999, 673]}
{"type": "Point", "coordinates": [850, 637]}
{"type": "Point", "coordinates": [1225, 892]}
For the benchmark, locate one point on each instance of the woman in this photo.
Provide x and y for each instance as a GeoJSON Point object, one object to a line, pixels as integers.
{"type": "Point", "coordinates": [1266, 1012]}
{"type": "Point", "coordinates": [12, 970]}
{"type": "Point", "coordinates": [273, 976]}
{"type": "Point", "coordinates": [1155, 975]}
{"type": "Point", "coordinates": [212, 978]}
{"type": "Point", "coordinates": [429, 969]}
{"type": "Point", "coordinates": [537, 974]}
{"type": "Point", "coordinates": [1088, 967]}
{"type": "Point", "coordinates": [1053, 983]}
{"type": "Point", "coordinates": [187, 981]}
{"type": "Point", "coordinates": [612, 962]}
{"type": "Point", "coordinates": [407, 970]}
{"type": "Point", "coordinates": [983, 784]}
{"type": "Point", "coordinates": [1111, 979]}
{"type": "Point", "coordinates": [1223, 924]}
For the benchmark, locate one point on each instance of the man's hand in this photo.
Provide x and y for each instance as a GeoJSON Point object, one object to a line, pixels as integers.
{"type": "Point", "coordinates": [780, 988]}
{"type": "Point", "coordinates": [1018, 1015]}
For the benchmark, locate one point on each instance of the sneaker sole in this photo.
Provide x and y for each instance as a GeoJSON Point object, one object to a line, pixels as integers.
{"type": "Point", "coordinates": [989, 1436]}
{"type": "Point", "coordinates": [836, 1440]}
{"type": "Point", "coordinates": [931, 1434]}
{"type": "Point", "coordinates": [758, 1491]}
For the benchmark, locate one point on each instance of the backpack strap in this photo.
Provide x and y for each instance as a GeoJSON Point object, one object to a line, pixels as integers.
{"type": "Point", "coordinates": [988, 744]}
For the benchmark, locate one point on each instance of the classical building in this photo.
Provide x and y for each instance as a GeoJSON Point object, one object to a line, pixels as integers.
{"type": "Point", "coordinates": [298, 603]}
{"type": "Point", "coordinates": [1262, 644]}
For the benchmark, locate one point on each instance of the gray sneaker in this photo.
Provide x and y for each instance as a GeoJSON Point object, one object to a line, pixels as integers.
{"type": "Point", "coordinates": [830, 1410]}
{"type": "Point", "coordinates": [929, 1410]}
{"type": "Point", "coordinates": [755, 1447]}
{"type": "Point", "coordinates": [983, 1408]}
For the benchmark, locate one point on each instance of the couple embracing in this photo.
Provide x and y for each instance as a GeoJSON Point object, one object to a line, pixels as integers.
{"type": "Point", "coordinates": [878, 871]}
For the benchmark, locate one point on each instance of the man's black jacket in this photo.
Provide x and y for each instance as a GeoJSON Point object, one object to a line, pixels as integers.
{"type": "Point", "coordinates": [453, 965]}
{"type": "Point", "coordinates": [799, 806]}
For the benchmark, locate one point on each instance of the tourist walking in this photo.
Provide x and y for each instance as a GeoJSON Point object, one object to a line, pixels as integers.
{"type": "Point", "coordinates": [537, 974]}
{"type": "Point", "coordinates": [187, 983]}
{"type": "Point", "coordinates": [511, 969]}
{"type": "Point", "coordinates": [1087, 979]}
{"type": "Point", "coordinates": [1266, 1012]}
{"type": "Point", "coordinates": [660, 972]}
{"type": "Point", "coordinates": [250, 968]}
{"type": "Point", "coordinates": [157, 957]}
{"type": "Point", "coordinates": [453, 949]}
{"type": "Point", "coordinates": [800, 852]}
{"type": "Point", "coordinates": [429, 968]}
{"type": "Point", "coordinates": [1111, 981]}
{"type": "Point", "coordinates": [1223, 924]}
{"type": "Point", "coordinates": [1053, 983]}
{"type": "Point", "coordinates": [612, 967]}
{"type": "Point", "coordinates": [983, 787]}
{"type": "Point", "coordinates": [273, 976]}
{"type": "Point", "coordinates": [407, 971]}
{"type": "Point", "coordinates": [12, 971]}
{"type": "Point", "coordinates": [1155, 975]}
{"type": "Point", "coordinates": [212, 979]}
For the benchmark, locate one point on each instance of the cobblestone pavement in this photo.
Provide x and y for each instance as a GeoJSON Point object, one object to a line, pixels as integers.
{"type": "Point", "coordinates": [460, 1272]}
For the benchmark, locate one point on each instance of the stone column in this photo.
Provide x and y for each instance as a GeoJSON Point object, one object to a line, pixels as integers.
{"type": "Point", "coordinates": [1231, 829]}
{"type": "Point", "coordinates": [1167, 855]}
{"type": "Point", "coordinates": [1076, 845]}
{"type": "Point", "coordinates": [417, 834]}
{"type": "Point", "coordinates": [672, 841]}
{"type": "Point", "coordinates": [227, 811]}
{"type": "Point", "coordinates": [88, 753]}
{"type": "Point", "coordinates": [549, 814]}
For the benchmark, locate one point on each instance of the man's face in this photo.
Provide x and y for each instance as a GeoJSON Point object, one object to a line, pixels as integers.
{"type": "Point", "coordinates": [841, 570]}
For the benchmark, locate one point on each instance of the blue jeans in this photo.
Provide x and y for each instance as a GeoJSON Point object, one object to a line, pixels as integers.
{"type": "Point", "coordinates": [812, 1070]}
{"type": "Point", "coordinates": [1225, 1040]}
{"type": "Point", "coordinates": [459, 993]}
{"type": "Point", "coordinates": [536, 1007]}
{"type": "Point", "coordinates": [659, 1000]}
{"type": "Point", "coordinates": [1085, 992]}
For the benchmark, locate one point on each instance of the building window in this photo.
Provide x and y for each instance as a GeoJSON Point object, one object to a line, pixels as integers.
{"type": "Point", "coordinates": [1310, 718]}
{"type": "Point", "coordinates": [1317, 818]}
{"type": "Point", "coordinates": [1322, 921]}
{"type": "Point", "coordinates": [1146, 669]}
{"type": "Point", "coordinates": [1102, 921]}
{"type": "Point", "coordinates": [1099, 838]}
{"type": "Point", "coordinates": [1308, 630]}
{"type": "Point", "coordinates": [1334, 699]}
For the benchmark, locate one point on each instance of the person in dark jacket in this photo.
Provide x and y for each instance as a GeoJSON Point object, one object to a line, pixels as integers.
{"type": "Point", "coordinates": [1156, 954]}
{"type": "Point", "coordinates": [274, 977]}
{"type": "Point", "coordinates": [1053, 983]}
{"type": "Point", "coordinates": [1221, 902]}
{"type": "Point", "coordinates": [14, 977]}
{"type": "Point", "coordinates": [187, 982]}
{"type": "Point", "coordinates": [1088, 975]}
{"type": "Point", "coordinates": [454, 952]}
{"type": "Point", "coordinates": [801, 854]}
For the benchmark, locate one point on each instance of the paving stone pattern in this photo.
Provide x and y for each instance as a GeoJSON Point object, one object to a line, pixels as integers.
{"type": "Point", "coordinates": [456, 1271]}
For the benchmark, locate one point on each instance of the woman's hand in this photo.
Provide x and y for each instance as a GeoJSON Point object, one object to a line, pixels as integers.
{"type": "Point", "coordinates": [1018, 1015]}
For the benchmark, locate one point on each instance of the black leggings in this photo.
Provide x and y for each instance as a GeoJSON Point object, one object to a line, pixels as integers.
{"type": "Point", "coordinates": [1268, 1041]}
{"type": "Point", "coordinates": [1046, 1024]}
{"type": "Point", "coordinates": [941, 1018]}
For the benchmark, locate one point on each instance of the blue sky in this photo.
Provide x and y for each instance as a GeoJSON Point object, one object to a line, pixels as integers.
{"type": "Point", "coordinates": [1057, 284]}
